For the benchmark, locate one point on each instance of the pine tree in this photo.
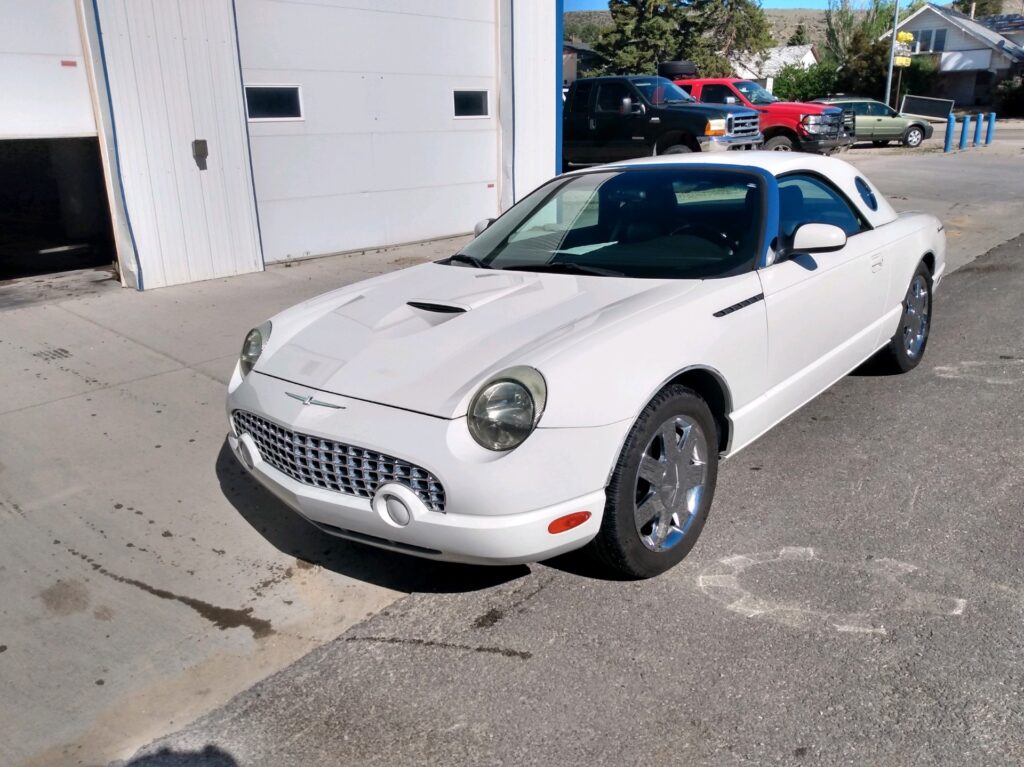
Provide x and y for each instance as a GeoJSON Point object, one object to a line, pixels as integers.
{"type": "Point", "coordinates": [646, 32]}
{"type": "Point", "coordinates": [799, 36]}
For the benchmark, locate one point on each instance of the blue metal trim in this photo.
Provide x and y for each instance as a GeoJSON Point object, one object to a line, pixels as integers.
{"type": "Point", "coordinates": [140, 284]}
{"type": "Point", "coordinates": [559, 75]}
{"type": "Point", "coordinates": [248, 140]}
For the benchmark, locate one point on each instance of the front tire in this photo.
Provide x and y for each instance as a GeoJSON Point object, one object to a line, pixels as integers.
{"type": "Point", "coordinates": [913, 137]}
{"type": "Point", "coordinates": [661, 488]}
{"type": "Point", "coordinates": [678, 149]}
{"type": "Point", "coordinates": [779, 144]}
{"type": "Point", "coordinates": [907, 345]}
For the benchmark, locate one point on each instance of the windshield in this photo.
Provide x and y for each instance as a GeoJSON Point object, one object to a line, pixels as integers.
{"type": "Point", "coordinates": [754, 93]}
{"type": "Point", "coordinates": [659, 90]}
{"type": "Point", "coordinates": [668, 222]}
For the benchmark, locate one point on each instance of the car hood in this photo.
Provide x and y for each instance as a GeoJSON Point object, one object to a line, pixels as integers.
{"type": "Point", "coordinates": [798, 108]}
{"type": "Point", "coordinates": [425, 338]}
{"type": "Point", "coordinates": [709, 110]}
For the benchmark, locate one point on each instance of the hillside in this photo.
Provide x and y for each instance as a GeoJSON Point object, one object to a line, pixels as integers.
{"type": "Point", "coordinates": [588, 25]}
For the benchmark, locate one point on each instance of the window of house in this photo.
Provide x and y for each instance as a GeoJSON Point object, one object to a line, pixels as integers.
{"type": "Point", "coordinates": [929, 40]}
{"type": "Point", "coordinates": [273, 102]}
{"type": "Point", "coordinates": [939, 40]}
{"type": "Point", "coordinates": [471, 104]}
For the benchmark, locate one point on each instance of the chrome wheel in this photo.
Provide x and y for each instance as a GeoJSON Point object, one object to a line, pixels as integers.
{"type": "Point", "coordinates": [670, 483]}
{"type": "Point", "coordinates": [916, 316]}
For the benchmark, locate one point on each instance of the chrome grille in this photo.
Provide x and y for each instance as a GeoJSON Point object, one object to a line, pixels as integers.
{"type": "Point", "coordinates": [334, 465]}
{"type": "Point", "coordinates": [745, 125]}
{"type": "Point", "coordinates": [832, 123]}
{"type": "Point", "coordinates": [850, 122]}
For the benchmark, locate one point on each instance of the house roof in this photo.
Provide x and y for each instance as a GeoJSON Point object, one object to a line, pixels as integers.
{"type": "Point", "coordinates": [1009, 22]}
{"type": "Point", "coordinates": [972, 27]}
{"type": "Point", "coordinates": [770, 61]}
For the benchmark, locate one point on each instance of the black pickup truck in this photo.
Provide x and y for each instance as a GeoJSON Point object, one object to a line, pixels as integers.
{"type": "Point", "coordinates": [620, 118]}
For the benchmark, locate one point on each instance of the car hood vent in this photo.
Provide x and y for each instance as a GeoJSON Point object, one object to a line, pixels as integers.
{"type": "Point", "coordinates": [430, 306]}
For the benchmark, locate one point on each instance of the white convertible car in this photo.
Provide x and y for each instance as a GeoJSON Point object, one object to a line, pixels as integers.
{"type": "Point", "coordinates": [575, 373]}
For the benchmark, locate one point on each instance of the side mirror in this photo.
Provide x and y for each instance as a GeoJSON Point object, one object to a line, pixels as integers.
{"type": "Point", "coordinates": [629, 107]}
{"type": "Point", "coordinates": [731, 100]}
{"type": "Point", "coordinates": [817, 238]}
{"type": "Point", "coordinates": [481, 225]}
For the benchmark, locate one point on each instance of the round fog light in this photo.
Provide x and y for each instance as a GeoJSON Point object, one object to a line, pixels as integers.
{"type": "Point", "coordinates": [397, 510]}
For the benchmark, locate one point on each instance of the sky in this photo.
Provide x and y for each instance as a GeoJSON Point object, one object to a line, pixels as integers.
{"type": "Point", "coordinates": [602, 5]}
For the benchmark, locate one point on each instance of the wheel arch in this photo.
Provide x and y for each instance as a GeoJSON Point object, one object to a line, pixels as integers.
{"type": "Point", "coordinates": [929, 261]}
{"type": "Point", "coordinates": [781, 130]}
{"type": "Point", "coordinates": [673, 137]}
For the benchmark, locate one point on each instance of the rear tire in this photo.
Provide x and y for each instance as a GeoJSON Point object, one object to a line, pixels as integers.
{"type": "Point", "coordinates": [908, 343]}
{"type": "Point", "coordinates": [779, 144]}
{"type": "Point", "coordinates": [678, 149]}
{"type": "Point", "coordinates": [661, 488]}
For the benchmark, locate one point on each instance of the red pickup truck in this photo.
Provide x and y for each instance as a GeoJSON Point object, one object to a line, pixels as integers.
{"type": "Point", "coordinates": [788, 126]}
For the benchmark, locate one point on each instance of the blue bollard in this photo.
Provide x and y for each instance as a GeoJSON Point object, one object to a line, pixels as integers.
{"type": "Point", "coordinates": [991, 128]}
{"type": "Point", "coordinates": [977, 129]}
{"type": "Point", "coordinates": [965, 131]}
{"type": "Point", "coordinates": [950, 130]}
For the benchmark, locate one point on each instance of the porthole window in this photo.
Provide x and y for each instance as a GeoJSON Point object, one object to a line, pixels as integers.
{"type": "Point", "coordinates": [866, 194]}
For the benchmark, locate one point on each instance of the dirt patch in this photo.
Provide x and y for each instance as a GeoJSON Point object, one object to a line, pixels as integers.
{"type": "Point", "coordinates": [65, 597]}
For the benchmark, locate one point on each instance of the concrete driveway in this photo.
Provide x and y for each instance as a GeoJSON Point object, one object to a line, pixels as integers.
{"type": "Point", "coordinates": [144, 580]}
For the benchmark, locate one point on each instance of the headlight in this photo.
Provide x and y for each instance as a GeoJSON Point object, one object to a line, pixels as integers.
{"type": "Point", "coordinates": [811, 123]}
{"type": "Point", "coordinates": [252, 347]}
{"type": "Point", "coordinates": [506, 409]}
{"type": "Point", "coordinates": [715, 127]}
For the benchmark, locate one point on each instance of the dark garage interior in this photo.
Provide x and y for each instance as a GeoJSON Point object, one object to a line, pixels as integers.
{"type": "Point", "coordinates": [54, 213]}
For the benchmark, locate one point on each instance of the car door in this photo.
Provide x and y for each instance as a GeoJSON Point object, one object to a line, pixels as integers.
{"type": "Point", "coordinates": [612, 132]}
{"type": "Point", "coordinates": [716, 93]}
{"type": "Point", "coordinates": [577, 143]}
{"type": "Point", "coordinates": [882, 125]}
{"type": "Point", "coordinates": [823, 309]}
{"type": "Point", "coordinates": [862, 121]}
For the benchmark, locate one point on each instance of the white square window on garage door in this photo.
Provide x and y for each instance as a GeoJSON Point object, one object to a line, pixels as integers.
{"type": "Point", "coordinates": [273, 102]}
{"type": "Point", "coordinates": [471, 104]}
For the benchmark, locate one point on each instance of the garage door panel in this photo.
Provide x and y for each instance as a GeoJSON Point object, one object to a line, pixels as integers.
{"type": "Point", "coordinates": [438, 211]}
{"type": "Point", "coordinates": [313, 226]}
{"type": "Point", "coordinates": [344, 165]}
{"type": "Point", "coordinates": [435, 159]}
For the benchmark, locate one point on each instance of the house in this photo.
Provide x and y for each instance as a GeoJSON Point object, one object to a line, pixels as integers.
{"type": "Point", "coordinates": [576, 58]}
{"type": "Point", "coordinates": [970, 57]}
{"type": "Point", "coordinates": [768, 63]}
{"type": "Point", "coordinates": [191, 139]}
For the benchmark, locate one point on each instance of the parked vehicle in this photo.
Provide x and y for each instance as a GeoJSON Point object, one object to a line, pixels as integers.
{"type": "Point", "coordinates": [619, 118]}
{"type": "Point", "coordinates": [788, 126]}
{"type": "Point", "coordinates": [573, 375]}
{"type": "Point", "coordinates": [881, 124]}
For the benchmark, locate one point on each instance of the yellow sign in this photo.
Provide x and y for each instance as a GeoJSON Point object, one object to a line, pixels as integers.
{"type": "Point", "coordinates": [901, 61]}
{"type": "Point", "coordinates": [905, 37]}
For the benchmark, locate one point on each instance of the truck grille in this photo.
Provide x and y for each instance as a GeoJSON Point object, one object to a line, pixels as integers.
{"type": "Point", "coordinates": [744, 125]}
{"type": "Point", "coordinates": [334, 465]}
{"type": "Point", "coordinates": [832, 124]}
{"type": "Point", "coordinates": [849, 122]}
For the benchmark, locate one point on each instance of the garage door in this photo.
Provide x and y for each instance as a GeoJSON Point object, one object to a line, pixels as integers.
{"type": "Point", "coordinates": [175, 90]}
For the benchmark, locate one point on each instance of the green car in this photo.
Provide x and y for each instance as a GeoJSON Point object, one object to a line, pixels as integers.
{"type": "Point", "coordinates": [881, 124]}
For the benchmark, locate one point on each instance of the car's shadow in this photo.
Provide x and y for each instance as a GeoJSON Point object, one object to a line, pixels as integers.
{"type": "Point", "coordinates": [290, 534]}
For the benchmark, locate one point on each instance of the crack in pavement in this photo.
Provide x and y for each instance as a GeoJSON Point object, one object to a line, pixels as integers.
{"type": "Point", "coordinates": [504, 651]}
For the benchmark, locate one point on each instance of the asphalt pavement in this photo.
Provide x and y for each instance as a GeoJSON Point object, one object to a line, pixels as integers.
{"type": "Point", "coordinates": [145, 581]}
{"type": "Point", "coordinates": [856, 598]}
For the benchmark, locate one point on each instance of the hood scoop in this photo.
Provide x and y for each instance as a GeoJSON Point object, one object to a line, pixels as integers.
{"type": "Point", "coordinates": [431, 306]}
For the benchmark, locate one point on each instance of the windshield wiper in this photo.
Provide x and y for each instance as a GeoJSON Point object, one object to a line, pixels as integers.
{"type": "Point", "coordinates": [462, 258]}
{"type": "Point", "coordinates": [564, 267]}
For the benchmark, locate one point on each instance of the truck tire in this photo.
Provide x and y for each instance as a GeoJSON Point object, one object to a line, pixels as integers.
{"type": "Point", "coordinates": [779, 144]}
{"type": "Point", "coordinates": [677, 149]}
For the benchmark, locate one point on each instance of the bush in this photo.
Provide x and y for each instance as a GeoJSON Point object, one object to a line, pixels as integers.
{"type": "Point", "coordinates": [794, 83]}
{"type": "Point", "coordinates": [1009, 98]}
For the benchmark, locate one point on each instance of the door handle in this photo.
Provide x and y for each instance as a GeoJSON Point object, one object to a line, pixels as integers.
{"type": "Point", "coordinates": [593, 124]}
{"type": "Point", "coordinates": [876, 263]}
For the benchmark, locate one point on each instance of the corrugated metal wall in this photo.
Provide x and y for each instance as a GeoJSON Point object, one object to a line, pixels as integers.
{"type": "Point", "coordinates": [173, 77]}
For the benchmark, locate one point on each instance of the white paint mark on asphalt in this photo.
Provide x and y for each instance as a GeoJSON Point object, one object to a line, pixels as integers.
{"type": "Point", "coordinates": [1004, 372]}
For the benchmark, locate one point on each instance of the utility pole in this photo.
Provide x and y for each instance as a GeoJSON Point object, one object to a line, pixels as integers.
{"type": "Point", "coordinates": [892, 49]}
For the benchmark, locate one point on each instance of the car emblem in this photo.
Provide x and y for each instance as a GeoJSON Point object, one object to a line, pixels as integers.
{"type": "Point", "coordinates": [308, 400]}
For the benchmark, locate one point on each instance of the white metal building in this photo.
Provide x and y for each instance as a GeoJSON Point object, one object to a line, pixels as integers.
{"type": "Point", "coordinates": [215, 136]}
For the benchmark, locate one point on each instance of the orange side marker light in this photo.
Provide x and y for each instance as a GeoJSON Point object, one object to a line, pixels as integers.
{"type": "Point", "coordinates": [568, 522]}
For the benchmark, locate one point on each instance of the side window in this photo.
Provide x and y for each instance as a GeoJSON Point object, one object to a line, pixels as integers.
{"type": "Point", "coordinates": [810, 200]}
{"type": "Point", "coordinates": [717, 94]}
{"type": "Point", "coordinates": [610, 96]}
{"type": "Point", "coordinates": [581, 97]}
{"type": "Point", "coordinates": [687, 88]}
{"type": "Point", "coordinates": [940, 41]}
{"type": "Point", "coordinates": [858, 107]}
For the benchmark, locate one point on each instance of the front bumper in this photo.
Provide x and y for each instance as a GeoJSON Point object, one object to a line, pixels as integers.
{"type": "Point", "coordinates": [730, 143]}
{"type": "Point", "coordinates": [498, 506]}
{"type": "Point", "coordinates": [826, 145]}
